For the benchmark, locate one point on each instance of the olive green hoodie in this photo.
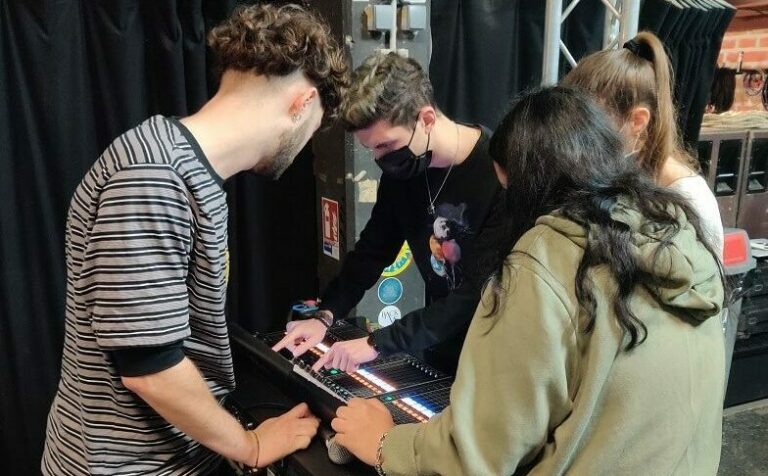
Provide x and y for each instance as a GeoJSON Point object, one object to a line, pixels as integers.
{"type": "Point", "coordinates": [534, 394]}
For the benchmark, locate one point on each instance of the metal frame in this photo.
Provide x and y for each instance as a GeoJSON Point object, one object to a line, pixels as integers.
{"type": "Point", "coordinates": [621, 19]}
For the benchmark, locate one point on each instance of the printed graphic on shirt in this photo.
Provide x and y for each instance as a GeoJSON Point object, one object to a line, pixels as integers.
{"type": "Point", "coordinates": [400, 264]}
{"type": "Point", "coordinates": [390, 291]}
{"type": "Point", "coordinates": [389, 315]}
{"type": "Point", "coordinates": [448, 229]}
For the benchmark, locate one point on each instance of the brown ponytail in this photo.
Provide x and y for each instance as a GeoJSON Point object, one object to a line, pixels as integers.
{"type": "Point", "coordinates": [623, 80]}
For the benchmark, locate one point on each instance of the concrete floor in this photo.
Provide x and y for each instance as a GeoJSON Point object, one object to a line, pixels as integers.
{"type": "Point", "coordinates": [745, 440]}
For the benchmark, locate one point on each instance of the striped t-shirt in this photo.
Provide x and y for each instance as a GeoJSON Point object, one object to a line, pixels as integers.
{"type": "Point", "coordinates": [146, 250]}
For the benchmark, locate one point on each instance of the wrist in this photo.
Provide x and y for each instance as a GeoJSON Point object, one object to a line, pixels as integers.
{"type": "Point", "coordinates": [325, 316]}
{"type": "Point", "coordinates": [372, 342]}
{"type": "Point", "coordinates": [254, 449]}
{"type": "Point", "coordinates": [380, 456]}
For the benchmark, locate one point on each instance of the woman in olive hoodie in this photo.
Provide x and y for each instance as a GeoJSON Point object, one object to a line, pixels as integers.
{"type": "Point", "coordinates": [596, 348]}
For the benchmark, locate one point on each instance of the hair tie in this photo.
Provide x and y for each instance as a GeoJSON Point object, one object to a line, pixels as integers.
{"type": "Point", "coordinates": [643, 50]}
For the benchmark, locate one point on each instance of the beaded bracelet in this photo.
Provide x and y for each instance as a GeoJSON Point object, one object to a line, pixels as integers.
{"type": "Point", "coordinates": [379, 462]}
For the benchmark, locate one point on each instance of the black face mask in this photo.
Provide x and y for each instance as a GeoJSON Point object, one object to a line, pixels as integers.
{"type": "Point", "coordinates": [403, 164]}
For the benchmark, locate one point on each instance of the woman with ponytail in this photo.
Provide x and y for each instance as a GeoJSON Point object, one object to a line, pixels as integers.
{"type": "Point", "coordinates": [635, 84]}
{"type": "Point", "coordinates": [596, 349]}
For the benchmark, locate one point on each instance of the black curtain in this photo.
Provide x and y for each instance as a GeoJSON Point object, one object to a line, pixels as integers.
{"type": "Point", "coordinates": [692, 37]}
{"type": "Point", "coordinates": [487, 51]}
{"type": "Point", "coordinates": [75, 75]}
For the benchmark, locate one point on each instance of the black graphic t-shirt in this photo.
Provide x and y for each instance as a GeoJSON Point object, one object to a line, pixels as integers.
{"type": "Point", "coordinates": [451, 247]}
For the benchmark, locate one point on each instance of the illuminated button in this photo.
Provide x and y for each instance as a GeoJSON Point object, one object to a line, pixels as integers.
{"type": "Point", "coordinates": [334, 371]}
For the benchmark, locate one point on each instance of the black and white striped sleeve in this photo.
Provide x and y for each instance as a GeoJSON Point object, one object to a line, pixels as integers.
{"type": "Point", "coordinates": [134, 275]}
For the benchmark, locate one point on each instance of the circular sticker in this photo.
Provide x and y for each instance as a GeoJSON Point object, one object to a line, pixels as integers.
{"type": "Point", "coordinates": [390, 291]}
{"type": "Point", "coordinates": [388, 315]}
{"type": "Point", "coordinates": [401, 263]}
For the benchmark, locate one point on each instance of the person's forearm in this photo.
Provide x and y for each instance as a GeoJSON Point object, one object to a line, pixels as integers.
{"type": "Point", "coordinates": [179, 394]}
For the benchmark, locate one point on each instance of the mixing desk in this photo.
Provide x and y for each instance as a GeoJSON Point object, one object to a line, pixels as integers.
{"type": "Point", "coordinates": [411, 389]}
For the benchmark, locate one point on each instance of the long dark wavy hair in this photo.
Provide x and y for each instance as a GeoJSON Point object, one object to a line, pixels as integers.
{"type": "Point", "coordinates": [562, 152]}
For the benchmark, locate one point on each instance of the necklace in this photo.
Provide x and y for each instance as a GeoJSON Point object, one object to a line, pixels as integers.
{"type": "Point", "coordinates": [431, 207]}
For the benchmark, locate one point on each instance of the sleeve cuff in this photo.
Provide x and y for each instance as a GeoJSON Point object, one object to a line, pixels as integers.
{"type": "Point", "coordinates": [384, 342]}
{"type": "Point", "coordinates": [399, 452]}
{"type": "Point", "coordinates": [334, 307]}
{"type": "Point", "coordinates": [140, 361]}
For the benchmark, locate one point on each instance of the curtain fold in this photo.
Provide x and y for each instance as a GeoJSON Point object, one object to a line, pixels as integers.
{"type": "Point", "coordinates": [487, 51]}
{"type": "Point", "coordinates": [692, 36]}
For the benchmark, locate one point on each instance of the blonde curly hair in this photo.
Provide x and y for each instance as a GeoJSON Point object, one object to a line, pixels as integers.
{"type": "Point", "coordinates": [279, 40]}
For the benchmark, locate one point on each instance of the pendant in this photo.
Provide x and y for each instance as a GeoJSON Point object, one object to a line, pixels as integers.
{"type": "Point", "coordinates": [431, 209]}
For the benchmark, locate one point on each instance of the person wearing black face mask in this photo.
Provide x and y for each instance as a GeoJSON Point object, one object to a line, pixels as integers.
{"type": "Point", "coordinates": [440, 191]}
{"type": "Point", "coordinates": [403, 163]}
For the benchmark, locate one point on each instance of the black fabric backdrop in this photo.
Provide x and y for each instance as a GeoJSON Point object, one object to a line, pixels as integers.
{"type": "Point", "coordinates": [692, 37]}
{"type": "Point", "coordinates": [77, 73]}
{"type": "Point", "coordinates": [487, 51]}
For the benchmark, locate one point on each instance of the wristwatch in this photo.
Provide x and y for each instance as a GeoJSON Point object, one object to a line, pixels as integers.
{"type": "Point", "coordinates": [372, 341]}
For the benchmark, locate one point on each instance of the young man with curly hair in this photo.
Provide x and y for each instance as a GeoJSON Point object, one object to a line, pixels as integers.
{"type": "Point", "coordinates": [146, 353]}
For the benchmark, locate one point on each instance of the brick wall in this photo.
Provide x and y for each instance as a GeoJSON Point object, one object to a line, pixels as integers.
{"type": "Point", "coordinates": [754, 44]}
